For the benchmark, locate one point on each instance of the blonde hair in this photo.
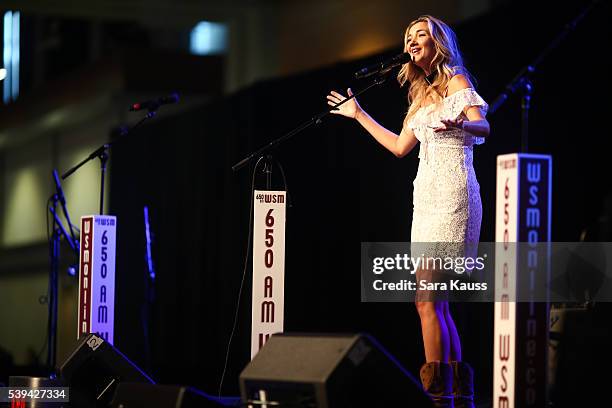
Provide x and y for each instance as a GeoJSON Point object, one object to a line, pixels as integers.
{"type": "Point", "coordinates": [446, 62]}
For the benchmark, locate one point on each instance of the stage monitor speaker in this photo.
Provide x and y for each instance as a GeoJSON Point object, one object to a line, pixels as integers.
{"type": "Point", "coordinates": [93, 370]}
{"type": "Point", "coordinates": [328, 371]}
{"type": "Point", "coordinates": [138, 395]}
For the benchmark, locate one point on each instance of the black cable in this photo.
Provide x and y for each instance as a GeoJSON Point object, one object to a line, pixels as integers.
{"type": "Point", "coordinates": [246, 263]}
{"type": "Point", "coordinates": [289, 201]}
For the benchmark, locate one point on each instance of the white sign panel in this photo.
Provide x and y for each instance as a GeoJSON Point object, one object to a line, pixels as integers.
{"type": "Point", "coordinates": [523, 214]}
{"type": "Point", "coordinates": [97, 276]}
{"type": "Point", "coordinates": [505, 275]}
{"type": "Point", "coordinates": [267, 315]}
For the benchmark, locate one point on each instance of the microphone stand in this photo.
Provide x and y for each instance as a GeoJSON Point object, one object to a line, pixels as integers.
{"type": "Point", "coordinates": [54, 253]}
{"type": "Point", "coordinates": [102, 153]}
{"type": "Point", "coordinates": [315, 120]}
{"type": "Point", "coordinates": [268, 160]}
{"type": "Point", "coordinates": [522, 81]}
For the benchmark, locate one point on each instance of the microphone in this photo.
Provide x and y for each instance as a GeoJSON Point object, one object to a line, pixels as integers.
{"type": "Point", "coordinates": [154, 104]}
{"type": "Point", "coordinates": [385, 66]}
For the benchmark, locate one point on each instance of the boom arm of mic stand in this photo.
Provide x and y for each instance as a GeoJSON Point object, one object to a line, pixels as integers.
{"type": "Point", "coordinates": [102, 153]}
{"type": "Point", "coordinates": [516, 83]}
{"type": "Point", "coordinates": [102, 150]}
{"type": "Point", "coordinates": [314, 120]}
{"type": "Point", "coordinates": [523, 76]}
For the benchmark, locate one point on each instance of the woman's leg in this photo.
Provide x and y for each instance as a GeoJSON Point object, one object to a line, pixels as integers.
{"type": "Point", "coordinates": [463, 375]}
{"type": "Point", "coordinates": [435, 330]}
{"type": "Point", "coordinates": [453, 335]}
{"type": "Point", "coordinates": [436, 374]}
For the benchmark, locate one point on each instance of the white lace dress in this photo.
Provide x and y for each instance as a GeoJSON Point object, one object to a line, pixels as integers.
{"type": "Point", "coordinates": [447, 205]}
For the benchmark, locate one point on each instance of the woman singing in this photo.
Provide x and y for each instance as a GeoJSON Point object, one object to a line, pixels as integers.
{"type": "Point", "coordinates": [448, 117]}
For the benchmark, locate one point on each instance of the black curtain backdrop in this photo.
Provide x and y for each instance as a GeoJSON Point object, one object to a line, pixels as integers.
{"type": "Point", "coordinates": [344, 189]}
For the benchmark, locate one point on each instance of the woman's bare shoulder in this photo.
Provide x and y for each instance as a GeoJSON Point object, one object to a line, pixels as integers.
{"type": "Point", "coordinates": [457, 83]}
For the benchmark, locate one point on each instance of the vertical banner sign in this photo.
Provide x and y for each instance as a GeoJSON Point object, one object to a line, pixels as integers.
{"type": "Point", "coordinates": [505, 270]}
{"type": "Point", "coordinates": [523, 215]}
{"type": "Point", "coordinates": [267, 313]}
{"type": "Point", "coordinates": [97, 276]}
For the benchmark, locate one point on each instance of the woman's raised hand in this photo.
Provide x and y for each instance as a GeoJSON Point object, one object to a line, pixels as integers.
{"type": "Point", "coordinates": [449, 124]}
{"type": "Point", "coordinates": [350, 109]}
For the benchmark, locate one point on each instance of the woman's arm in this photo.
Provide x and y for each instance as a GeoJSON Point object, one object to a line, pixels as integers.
{"type": "Point", "coordinates": [476, 124]}
{"type": "Point", "coordinates": [398, 145]}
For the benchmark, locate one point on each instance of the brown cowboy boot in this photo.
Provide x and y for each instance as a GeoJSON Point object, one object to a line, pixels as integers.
{"type": "Point", "coordinates": [437, 379]}
{"type": "Point", "coordinates": [463, 384]}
